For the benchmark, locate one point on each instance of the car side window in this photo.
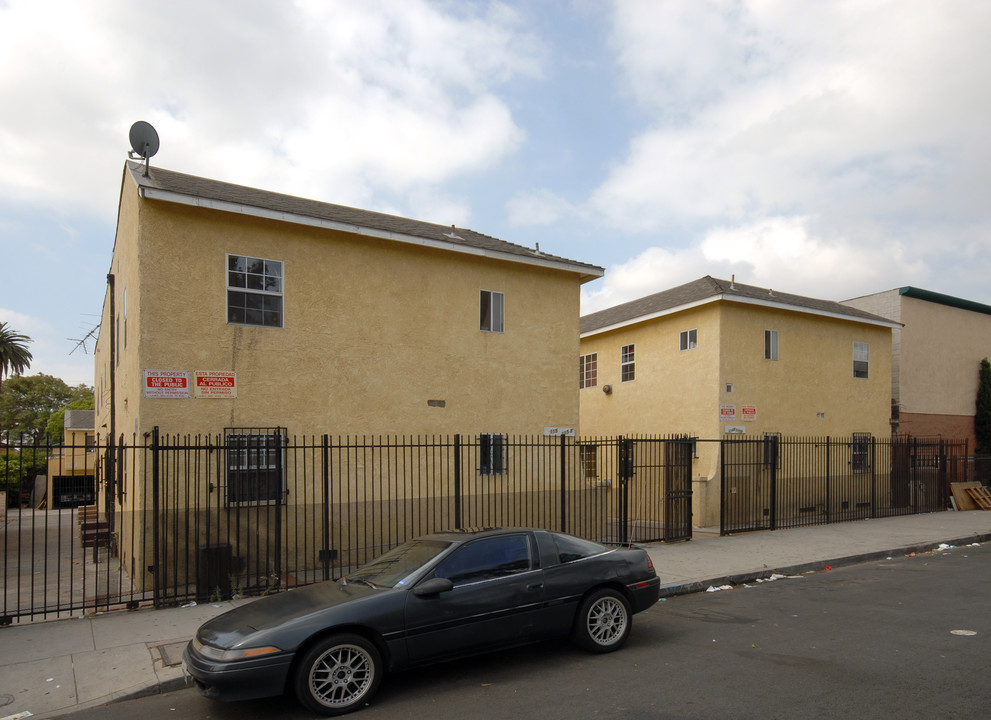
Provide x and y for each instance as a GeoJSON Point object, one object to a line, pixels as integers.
{"type": "Point", "coordinates": [571, 548]}
{"type": "Point", "coordinates": [486, 559]}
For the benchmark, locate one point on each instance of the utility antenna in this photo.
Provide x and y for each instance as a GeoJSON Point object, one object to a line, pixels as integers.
{"type": "Point", "coordinates": [144, 142]}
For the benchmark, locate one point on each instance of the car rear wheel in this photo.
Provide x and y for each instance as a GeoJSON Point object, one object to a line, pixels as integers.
{"type": "Point", "coordinates": [603, 621]}
{"type": "Point", "coordinates": [338, 675]}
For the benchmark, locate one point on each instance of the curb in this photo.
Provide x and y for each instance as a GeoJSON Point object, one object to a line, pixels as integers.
{"type": "Point", "coordinates": [801, 568]}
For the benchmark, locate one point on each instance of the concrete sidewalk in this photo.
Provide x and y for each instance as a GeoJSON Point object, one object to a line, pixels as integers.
{"type": "Point", "coordinates": [56, 667]}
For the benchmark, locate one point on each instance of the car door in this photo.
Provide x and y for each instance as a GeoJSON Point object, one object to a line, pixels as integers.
{"type": "Point", "coordinates": [497, 592]}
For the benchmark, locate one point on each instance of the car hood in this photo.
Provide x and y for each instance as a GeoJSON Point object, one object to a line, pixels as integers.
{"type": "Point", "coordinates": [293, 607]}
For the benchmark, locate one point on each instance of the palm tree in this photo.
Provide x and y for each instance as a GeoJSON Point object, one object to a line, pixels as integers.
{"type": "Point", "coordinates": [14, 355]}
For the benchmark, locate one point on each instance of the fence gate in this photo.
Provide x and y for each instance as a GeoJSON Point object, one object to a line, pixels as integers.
{"type": "Point", "coordinates": [656, 482]}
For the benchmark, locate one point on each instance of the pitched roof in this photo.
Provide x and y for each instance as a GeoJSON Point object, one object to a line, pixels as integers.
{"type": "Point", "coordinates": [161, 184]}
{"type": "Point", "coordinates": [709, 289]}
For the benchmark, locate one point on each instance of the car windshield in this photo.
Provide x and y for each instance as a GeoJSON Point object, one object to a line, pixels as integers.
{"type": "Point", "coordinates": [398, 564]}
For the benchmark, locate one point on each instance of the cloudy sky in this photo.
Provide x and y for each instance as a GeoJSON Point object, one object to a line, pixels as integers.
{"type": "Point", "coordinates": [831, 148]}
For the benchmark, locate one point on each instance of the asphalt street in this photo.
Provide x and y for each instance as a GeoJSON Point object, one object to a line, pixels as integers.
{"type": "Point", "coordinates": [903, 637]}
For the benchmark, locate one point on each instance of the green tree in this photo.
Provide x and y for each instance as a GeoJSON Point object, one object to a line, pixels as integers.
{"type": "Point", "coordinates": [982, 418]}
{"type": "Point", "coordinates": [55, 429]}
{"type": "Point", "coordinates": [14, 355]}
{"type": "Point", "coordinates": [27, 403]}
{"type": "Point", "coordinates": [18, 469]}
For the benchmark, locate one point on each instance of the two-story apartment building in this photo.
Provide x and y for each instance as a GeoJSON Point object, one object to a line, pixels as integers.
{"type": "Point", "coordinates": [244, 315]}
{"type": "Point", "coordinates": [937, 350]}
{"type": "Point", "coordinates": [72, 467]}
{"type": "Point", "coordinates": [713, 357]}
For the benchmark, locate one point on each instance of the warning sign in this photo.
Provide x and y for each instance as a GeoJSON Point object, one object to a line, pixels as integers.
{"type": "Point", "coordinates": [212, 384]}
{"type": "Point", "coordinates": [748, 413]}
{"type": "Point", "coordinates": [727, 413]}
{"type": "Point", "coordinates": [169, 384]}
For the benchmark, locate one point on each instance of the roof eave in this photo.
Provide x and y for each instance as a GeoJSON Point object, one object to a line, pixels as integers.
{"type": "Point", "coordinates": [586, 273]}
{"type": "Point", "coordinates": [880, 322]}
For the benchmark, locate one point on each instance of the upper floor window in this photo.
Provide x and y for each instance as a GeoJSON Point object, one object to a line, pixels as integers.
{"type": "Point", "coordinates": [770, 344]}
{"type": "Point", "coordinates": [628, 363]}
{"type": "Point", "coordinates": [588, 370]}
{"type": "Point", "coordinates": [689, 339]}
{"type": "Point", "coordinates": [491, 311]}
{"type": "Point", "coordinates": [254, 291]}
{"type": "Point", "coordinates": [861, 359]}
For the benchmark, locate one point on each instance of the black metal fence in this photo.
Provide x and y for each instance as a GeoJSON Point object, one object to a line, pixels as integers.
{"type": "Point", "coordinates": [252, 511]}
{"type": "Point", "coordinates": [774, 482]}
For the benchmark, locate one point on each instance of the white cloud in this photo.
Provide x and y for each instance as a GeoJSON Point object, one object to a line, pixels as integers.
{"type": "Point", "coordinates": [329, 100]}
{"type": "Point", "coordinates": [541, 207]}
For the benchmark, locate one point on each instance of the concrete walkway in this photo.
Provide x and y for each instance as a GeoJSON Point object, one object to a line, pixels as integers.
{"type": "Point", "coordinates": [56, 667]}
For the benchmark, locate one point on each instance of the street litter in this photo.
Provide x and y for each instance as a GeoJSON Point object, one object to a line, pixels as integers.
{"type": "Point", "coordinates": [18, 716]}
{"type": "Point", "coordinates": [717, 589]}
{"type": "Point", "coordinates": [189, 604]}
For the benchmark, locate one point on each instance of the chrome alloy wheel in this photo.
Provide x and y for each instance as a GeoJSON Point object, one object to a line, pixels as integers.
{"type": "Point", "coordinates": [342, 676]}
{"type": "Point", "coordinates": [607, 619]}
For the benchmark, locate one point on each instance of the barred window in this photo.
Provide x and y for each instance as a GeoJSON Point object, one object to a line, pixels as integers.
{"type": "Point", "coordinates": [492, 454]}
{"type": "Point", "coordinates": [255, 465]}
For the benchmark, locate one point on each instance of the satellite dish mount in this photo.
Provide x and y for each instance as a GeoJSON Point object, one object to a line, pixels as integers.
{"type": "Point", "coordinates": [144, 142]}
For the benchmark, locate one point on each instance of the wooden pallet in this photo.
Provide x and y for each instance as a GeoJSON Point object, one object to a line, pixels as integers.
{"type": "Point", "coordinates": [981, 496]}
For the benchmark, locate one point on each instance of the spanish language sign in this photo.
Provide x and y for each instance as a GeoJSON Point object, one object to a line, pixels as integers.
{"type": "Point", "coordinates": [215, 384]}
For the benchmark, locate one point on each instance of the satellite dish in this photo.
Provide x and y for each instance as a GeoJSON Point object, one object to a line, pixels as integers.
{"type": "Point", "coordinates": [144, 141]}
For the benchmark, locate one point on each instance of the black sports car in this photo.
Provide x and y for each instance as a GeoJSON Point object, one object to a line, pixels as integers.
{"type": "Point", "coordinates": [431, 599]}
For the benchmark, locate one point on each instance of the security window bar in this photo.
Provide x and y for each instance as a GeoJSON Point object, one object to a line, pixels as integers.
{"type": "Point", "coordinates": [860, 458]}
{"type": "Point", "coordinates": [770, 344]}
{"type": "Point", "coordinates": [628, 363]}
{"type": "Point", "coordinates": [254, 291]}
{"type": "Point", "coordinates": [861, 359]}
{"type": "Point", "coordinates": [255, 470]}
{"type": "Point", "coordinates": [590, 461]}
{"type": "Point", "coordinates": [689, 339]}
{"type": "Point", "coordinates": [491, 311]}
{"type": "Point", "coordinates": [492, 454]}
{"type": "Point", "coordinates": [588, 370]}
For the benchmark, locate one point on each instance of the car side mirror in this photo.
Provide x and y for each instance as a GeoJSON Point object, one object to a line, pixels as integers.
{"type": "Point", "coordinates": [433, 586]}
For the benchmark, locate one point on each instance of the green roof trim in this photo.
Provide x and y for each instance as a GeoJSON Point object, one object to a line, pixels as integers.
{"type": "Point", "coordinates": [940, 299]}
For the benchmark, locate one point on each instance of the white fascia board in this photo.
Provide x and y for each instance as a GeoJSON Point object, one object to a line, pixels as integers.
{"type": "Point", "coordinates": [746, 301]}
{"type": "Point", "coordinates": [587, 273]}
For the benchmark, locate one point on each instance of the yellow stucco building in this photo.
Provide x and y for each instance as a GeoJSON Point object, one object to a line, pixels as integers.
{"type": "Point", "coordinates": [233, 311]}
{"type": "Point", "coordinates": [713, 358]}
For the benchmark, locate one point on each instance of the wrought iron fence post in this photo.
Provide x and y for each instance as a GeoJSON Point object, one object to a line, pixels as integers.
{"type": "Point", "coordinates": [722, 488]}
{"type": "Point", "coordinates": [564, 486]}
{"type": "Point", "coordinates": [874, 477]}
{"type": "Point", "coordinates": [457, 482]}
{"type": "Point", "coordinates": [829, 496]}
{"type": "Point", "coordinates": [774, 483]}
{"type": "Point", "coordinates": [325, 554]}
{"type": "Point", "coordinates": [625, 467]}
{"type": "Point", "coordinates": [155, 529]}
{"type": "Point", "coordinates": [281, 498]}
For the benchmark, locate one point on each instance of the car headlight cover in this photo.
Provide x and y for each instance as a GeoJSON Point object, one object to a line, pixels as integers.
{"type": "Point", "coordinates": [215, 653]}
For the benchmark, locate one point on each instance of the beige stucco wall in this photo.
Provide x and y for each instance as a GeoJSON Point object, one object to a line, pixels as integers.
{"type": "Point", "coordinates": [942, 351]}
{"type": "Point", "coordinates": [373, 331]}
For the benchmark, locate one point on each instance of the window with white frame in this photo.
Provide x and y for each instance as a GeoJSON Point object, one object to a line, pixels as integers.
{"type": "Point", "coordinates": [861, 359]}
{"type": "Point", "coordinates": [588, 370]}
{"type": "Point", "coordinates": [628, 363]}
{"type": "Point", "coordinates": [689, 339]}
{"type": "Point", "coordinates": [770, 344]}
{"type": "Point", "coordinates": [254, 291]}
{"type": "Point", "coordinates": [491, 311]}
{"type": "Point", "coordinates": [255, 465]}
{"type": "Point", "coordinates": [492, 454]}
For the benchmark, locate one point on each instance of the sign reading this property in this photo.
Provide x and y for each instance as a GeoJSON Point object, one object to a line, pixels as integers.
{"type": "Point", "coordinates": [727, 413]}
{"type": "Point", "coordinates": [219, 384]}
{"type": "Point", "coordinates": [170, 384]}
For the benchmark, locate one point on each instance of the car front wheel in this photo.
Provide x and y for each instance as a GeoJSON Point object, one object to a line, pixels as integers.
{"type": "Point", "coordinates": [338, 675]}
{"type": "Point", "coordinates": [603, 621]}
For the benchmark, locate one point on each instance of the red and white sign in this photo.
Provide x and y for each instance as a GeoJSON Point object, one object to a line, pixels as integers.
{"type": "Point", "coordinates": [220, 384]}
{"type": "Point", "coordinates": [169, 384]}
{"type": "Point", "coordinates": [748, 413]}
{"type": "Point", "coordinates": [727, 413]}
